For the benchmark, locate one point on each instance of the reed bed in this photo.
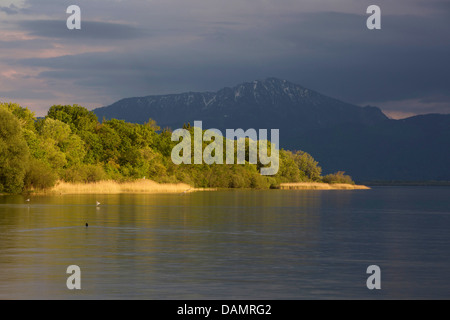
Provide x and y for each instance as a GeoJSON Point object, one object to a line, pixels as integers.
{"type": "Point", "coordinates": [113, 187]}
{"type": "Point", "coordinates": [321, 186]}
{"type": "Point", "coordinates": [149, 186]}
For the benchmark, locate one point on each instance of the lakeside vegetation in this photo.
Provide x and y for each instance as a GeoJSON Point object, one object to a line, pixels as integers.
{"type": "Point", "coordinates": [113, 187]}
{"type": "Point", "coordinates": [321, 186]}
{"type": "Point", "coordinates": [70, 146]}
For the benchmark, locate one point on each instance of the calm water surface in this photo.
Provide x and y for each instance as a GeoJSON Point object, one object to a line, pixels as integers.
{"type": "Point", "coordinates": [228, 245]}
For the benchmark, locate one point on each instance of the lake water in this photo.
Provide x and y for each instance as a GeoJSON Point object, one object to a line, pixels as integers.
{"type": "Point", "coordinates": [228, 245]}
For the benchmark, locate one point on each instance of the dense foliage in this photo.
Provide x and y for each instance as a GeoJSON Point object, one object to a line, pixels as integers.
{"type": "Point", "coordinates": [72, 145]}
{"type": "Point", "coordinates": [338, 177]}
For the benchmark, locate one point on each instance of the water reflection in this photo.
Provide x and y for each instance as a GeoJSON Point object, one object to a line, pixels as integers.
{"type": "Point", "coordinates": [232, 244]}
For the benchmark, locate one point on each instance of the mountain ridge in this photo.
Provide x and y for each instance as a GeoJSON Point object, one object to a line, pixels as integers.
{"type": "Point", "coordinates": [280, 98]}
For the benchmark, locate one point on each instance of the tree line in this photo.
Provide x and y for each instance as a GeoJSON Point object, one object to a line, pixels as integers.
{"type": "Point", "coordinates": [70, 144]}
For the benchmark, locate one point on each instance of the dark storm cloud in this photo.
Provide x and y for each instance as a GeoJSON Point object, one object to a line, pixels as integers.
{"type": "Point", "coordinates": [406, 59]}
{"type": "Point", "coordinates": [181, 46]}
{"type": "Point", "coordinates": [89, 30]}
{"type": "Point", "coordinates": [330, 52]}
{"type": "Point", "coordinates": [134, 74]}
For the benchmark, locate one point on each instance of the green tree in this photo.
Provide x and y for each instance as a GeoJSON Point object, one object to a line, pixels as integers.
{"type": "Point", "coordinates": [14, 153]}
{"type": "Point", "coordinates": [308, 166]}
{"type": "Point", "coordinates": [338, 177]}
{"type": "Point", "coordinates": [39, 175]}
{"type": "Point", "coordinates": [78, 118]}
{"type": "Point", "coordinates": [58, 138]}
{"type": "Point", "coordinates": [288, 170]}
{"type": "Point", "coordinates": [26, 117]}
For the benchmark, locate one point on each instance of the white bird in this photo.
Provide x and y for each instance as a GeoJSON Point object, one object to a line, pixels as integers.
{"type": "Point", "coordinates": [28, 200]}
{"type": "Point", "coordinates": [98, 203]}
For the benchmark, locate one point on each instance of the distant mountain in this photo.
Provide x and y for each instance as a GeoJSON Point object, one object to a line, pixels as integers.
{"type": "Point", "coordinates": [341, 136]}
{"type": "Point", "coordinates": [271, 103]}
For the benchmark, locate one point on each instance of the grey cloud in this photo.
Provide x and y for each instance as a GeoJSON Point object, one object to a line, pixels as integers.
{"type": "Point", "coordinates": [11, 10]}
{"type": "Point", "coordinates": [89, 30]}
{"type": "Point", "coordinates": [35, 44]}
{"type": "Point", "coordinates": [27, 94]}
{"type": "Point", "coordinates": [440, 5]}
{"type": "Point", "coordinates": [135, 74]}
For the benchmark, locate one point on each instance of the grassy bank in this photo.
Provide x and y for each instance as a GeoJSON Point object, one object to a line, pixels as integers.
{"type": "Point", "coordinates": [321, 186]}
{"type": "Point", "coordinates": [113, 187]}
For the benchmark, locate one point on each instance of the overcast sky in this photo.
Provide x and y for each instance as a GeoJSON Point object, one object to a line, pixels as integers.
{"type": "Point", "coordinates": [142, 47]}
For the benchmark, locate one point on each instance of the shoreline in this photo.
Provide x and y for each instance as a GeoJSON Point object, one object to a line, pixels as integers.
{"type": "Point", "coordinates": [152, 187]}
{"type": "Point", "coordinates": [321, 186]}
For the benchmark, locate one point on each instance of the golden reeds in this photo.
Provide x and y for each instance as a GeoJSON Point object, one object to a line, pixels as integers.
{"type": "Point", "coordinates": [113, 187]}
{"type": "Point", "coordinates": [321, 186]}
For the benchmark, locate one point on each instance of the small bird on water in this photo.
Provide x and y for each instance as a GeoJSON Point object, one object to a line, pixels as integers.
{"type": "Point", "coordinates": [87, 225]}
{"type": "Point", "coordinates": [98, 203]}
{"type": "Point", "coordinates": [28, 200]}
{"type": "Point", "coordinates": [185, 191]}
